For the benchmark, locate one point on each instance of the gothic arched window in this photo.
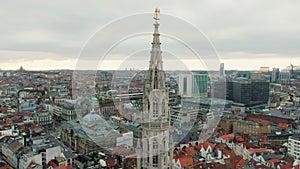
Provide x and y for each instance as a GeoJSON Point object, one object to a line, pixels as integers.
{"type": "Point", "coordinates": [155, 145]}
{"type": "Point", "coordinates": [163, 108]}
{"type": "Point", "coordinates": [155, 109]}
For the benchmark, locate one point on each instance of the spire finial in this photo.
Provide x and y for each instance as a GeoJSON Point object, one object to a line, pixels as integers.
{"type": "Point", "coordinates": [156, 14]}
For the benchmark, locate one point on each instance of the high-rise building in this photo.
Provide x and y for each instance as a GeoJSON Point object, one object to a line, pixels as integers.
{"type": "Point", "coordinates": [218, 89]}
{"type": "Point", "coordinates": [250, 92]}
{"type": "Point", "coordinates": [155, 148]}
{"type": "Point", "coordinates": [222, 88]}
{"type": "Point", "coordinates": [193, 85]}
{"type": "Point", "coordinates": [242, 92]}
{"type": "Point", "coordinates": [185, 81]}
{"type": "Point", "coordinates": [221, 71]}
{"type": "Point", "coordinates": [259, 92]}
{"type": "Point", "coordinates": [275, 75]}
{"type": "Point", "coordinates": [285, 77]}
{"type": "Point", "coordinates": [200, 85]}
{"type": "Point", "coordinates": [229, 89]}
{"type": "Point", "coordinates": [292, 71]}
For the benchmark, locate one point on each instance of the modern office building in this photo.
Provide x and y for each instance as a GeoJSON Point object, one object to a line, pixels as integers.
{"type": "Point", "coordinates": [249, 92]}
{"type": "Point", "coordinates": [259, 92]}
{"type": "Point", "coordinates": [218, 89]}
{"type": "Point", "coordinates": [193, 85]}
{"type": "Point", "coordinates": [275, 75]}
{"type": "Point", "coordinates": [242, 92]}
{"type": "Point", "coordinates": [185, 81]}
{"type": "Point", "coordinates": [229, 90]}
{"type": "Point", "coordinates": [200, 85]}
{"type": "Point", "coordinates": [285, 77]}
{"type": "Point", "coordinates": [222, 71]}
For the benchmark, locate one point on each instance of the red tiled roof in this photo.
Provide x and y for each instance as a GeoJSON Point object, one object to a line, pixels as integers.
{"type": "Point", "coordinates": [186, 161]}
{"type": "Point", "coordinates": [258, 120]}
{"type": "Point", "coordinates": [180, 153]}
{"type": "Point", "coordinates": [264, 138]}
{"type": "Point", "coordinates": [9, 121]}
{"type": "Point", "coordinates": [31, 164]}
{"type": "Point", "coordinates": [289, 159]}
{"type": "Point", "coordinates": [64, 167]}
{"type": "Point", "coordinates": [242, 163]}
{"type": "Point", "coordinates": [240, 139]}
{"type": "Point", "coordinates": [17, 117]}
{"type": "Point", "coordinates": [190, 151]}
{"type": "Point", "coordinates": [275, 160]}
{"type": "Point", "coordinates": [287, 166]}
{"type": "Point", "coordinates": [257, 150]}
{"type": "Point", "coordinates": [283, 125]}
{"type": "Point", "coordinates": [221, 146]}
{"type": "Point", "coordinates": [206, 144]}
{"type": "Point", "coordinates": [196, 165]}
{"type": "Point", "coordinates": [52, 164]}
{"type": "Point", "coordinates": [120, 151]}
{"type": "Point", "coordinates": [234, 161]}
{"type": "Point", "coordinates": [227, 137]}
{"type": "Point", "coordinates": [29, 114]}
{"type": "Point", "coordinates": [131, 155]}
{"type": "Point", "coordinates": [111, 162]}
{"type": "Point", "coordinates": [22, 126]}
{"type": "Point", "coordinates": [230, 153]}
{"type": "Point", "coordinates": [5, 166]}
{"type": "Point", "coordinates": [248, 145]}
{"type": "Point", "coordinates": [33, 127]}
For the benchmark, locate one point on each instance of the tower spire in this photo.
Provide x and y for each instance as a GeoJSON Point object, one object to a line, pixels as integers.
{"type": "Point", "coordinates": [156, 74]}
{"type": "Point", "coordinates": [156, 151]}
{"type": "Point", "coordinates": [156, 14]}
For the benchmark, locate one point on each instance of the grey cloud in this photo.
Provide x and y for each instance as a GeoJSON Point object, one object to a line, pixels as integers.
{"type": "Point", "coordinates": [63, 27]}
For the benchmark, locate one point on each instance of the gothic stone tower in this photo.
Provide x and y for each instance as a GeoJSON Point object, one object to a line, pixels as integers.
{"type": "Point", "coordinates": [155, 151]}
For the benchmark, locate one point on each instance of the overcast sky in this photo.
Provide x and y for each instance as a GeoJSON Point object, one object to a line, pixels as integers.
{"type": "Point", "coordinates": [246, 34]}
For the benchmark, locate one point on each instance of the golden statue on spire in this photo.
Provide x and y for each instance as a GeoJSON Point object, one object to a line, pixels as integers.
{"type": "Point", "coordinates": [156, 13]}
